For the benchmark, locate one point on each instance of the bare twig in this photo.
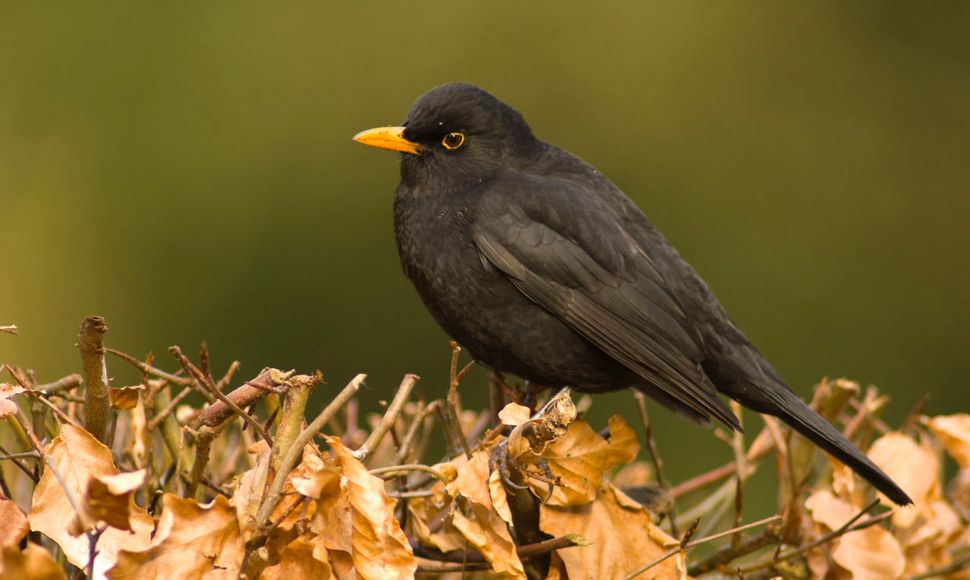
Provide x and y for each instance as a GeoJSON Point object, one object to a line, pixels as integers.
{"type": "Point", "coordinates": [90, 341]}
{"type": "Point", "coordinates": [954, 566]}
{"type": "Point", "coordinates": [393, 470]}
{"type": "Point", "coordinates": [296, 451]}
{"type": "Point", "coordinates": [207, 385]}
{"type": "Point", "coordinates": [762, 446]}
{"type": "Point", "coordinates": [161, 415]}
{"type": "Point", "coordinates": [686, 544]}
{"type": "Point", "coordinates": [525, 552]}
{"type": "Point", "coordinates": [9, 328]}
{"type": "Point", "coordinates": [453, 398]}
{"type": "Point", "coordinates": [291, 417]}
{"type": "Point", "coordinates": [62, 384]}
{"type": "Point", "coordinates": [851, 525]}
{"type": "Point", "coordinates": [403, 392]}
{"type": "Point", "coordinates": [147, 368]}
{"type": "Point", "coordinates": [267, 381]}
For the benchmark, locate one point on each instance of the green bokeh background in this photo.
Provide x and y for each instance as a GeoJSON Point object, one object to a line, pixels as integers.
{"type": "Point", "coordinates": [186, 171]}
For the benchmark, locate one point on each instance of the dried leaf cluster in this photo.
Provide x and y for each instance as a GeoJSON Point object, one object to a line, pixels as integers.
{"type": "Point", "coordinates": [182, 476]}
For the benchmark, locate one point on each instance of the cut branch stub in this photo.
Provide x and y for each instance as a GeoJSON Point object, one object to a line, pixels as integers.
{"type": "Point", "coordinates": [90, 341]}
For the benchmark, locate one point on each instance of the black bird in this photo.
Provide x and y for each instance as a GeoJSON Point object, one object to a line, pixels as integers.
{"type": "Point", "coordinates": [538, 265]}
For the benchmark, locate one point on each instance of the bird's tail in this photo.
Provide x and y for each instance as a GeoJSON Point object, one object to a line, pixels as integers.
{"type": "Point", "coordinates": [803, 419]}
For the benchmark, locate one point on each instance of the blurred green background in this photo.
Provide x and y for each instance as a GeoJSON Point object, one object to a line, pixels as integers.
{"type": "Point", "coordinates": [186, 171]}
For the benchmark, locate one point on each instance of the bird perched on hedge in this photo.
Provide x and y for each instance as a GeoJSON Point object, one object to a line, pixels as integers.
{"type": "Point", "coordinates": [540, 266]}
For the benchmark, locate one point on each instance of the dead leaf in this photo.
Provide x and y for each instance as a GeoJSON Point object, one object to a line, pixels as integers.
{"type": "Point", "coordinates": [500, 501]}
{"type": "Point", "coordinates": [125, 398]}
{"type": "Point", "coordinates": [378, 546]}
{"type": "Point", "coordinates": [79, 457]}
{"type": "Point", "coordinates": [636, 474]}
{"type": "Point", "coordinates": [34, 563]}
{"type": "Point", "coordinates": [192, 541]}
{"type": "Point", "coordinates": [579, 459]}
{"type": "Point", "coordinates": [868, 553]}
{"type": "Point", "coordinates": [297, 561]}
{"type": "Point", "coordinates": [7, 393]}
{"type": "Point", "coordinates": [622, 534]}
{"type": "Point", "coordinates": [954, 432]}
{"type": "Point", "coordinates": [871, 553]}
{"type": "Point", "coordinates": [108, 499]}
{"type": "Point", "coordinates": [482, 526]}
{"type": "Point", "coordinates": [13, 523]}
{"type": "Point", "coordinates": [532, 436]}
{"type": "Point", "coordinates": [927, 545]}
{"type": "Point", "coordinates": [251, 486]}
{"type": "Point", "coordinates": [914, 467]}
{"type": "Point", "coordinates": [514, 414]}
{"type": "Point", "coordinates": [424, 510]}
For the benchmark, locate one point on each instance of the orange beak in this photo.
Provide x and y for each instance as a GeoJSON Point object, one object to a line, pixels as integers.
{"type": "Point", "coordinates": [387, 138]}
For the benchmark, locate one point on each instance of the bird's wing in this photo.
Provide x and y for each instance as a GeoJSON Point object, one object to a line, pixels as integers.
{"type": "Point", "coordinates": [567, 249]}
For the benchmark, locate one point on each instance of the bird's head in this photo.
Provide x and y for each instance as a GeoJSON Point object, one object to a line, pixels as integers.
{"type": "Point", "coordinates": [453, 133]}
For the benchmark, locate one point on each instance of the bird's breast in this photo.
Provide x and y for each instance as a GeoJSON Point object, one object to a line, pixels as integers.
{"type": "Point", "coordinates": [479, 307]}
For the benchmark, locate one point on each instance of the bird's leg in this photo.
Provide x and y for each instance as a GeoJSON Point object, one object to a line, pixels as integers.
{"type": "Point", "coordinates": [497, 394]}
{"type": "Point", "coordinates": [499, 460]}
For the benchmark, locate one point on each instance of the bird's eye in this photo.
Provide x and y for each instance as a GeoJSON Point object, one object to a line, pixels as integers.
{"type": "Point", "coordinates": [453, 141]}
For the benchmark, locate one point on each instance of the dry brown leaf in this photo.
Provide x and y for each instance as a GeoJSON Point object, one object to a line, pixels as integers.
{"type": "Point", "coordinates": [636, 474]}
{"type": "Point", "coordinates": [579, 459]}
{"type": "Point", "coordinates": [829, 510]}
{"type": "Point", "coordinates": [13, 523]}
{"type": "Point", "coordinates": [532, 436]}
{"type": "Point", "coordinates": [251, 487]}
{"type": "Point", "coordinates": [514, 414]}
{"type": "Point", "coordinates": [954, 432]}
{"type": "Point", "coordinates": [622, 534]}
{"type": "Point", "coordinates": [914, 467]}
{"type": "Point", "coordinates": [125, 398]}
{"type": "Point", "coordinates": [870, 553]}
{"type": "Point", "coordinates": [927, 545]}
{"type": "Point", "coordinates": [79, 457]}
{"type": "Point", "coordinates": [7, 393]}
{"type": "Point", "coordinates": [483, 527]}
{"type": "Point", "coordinates": [379, 548]}
{"type": "Point", "coordinates": [488, 534]}
{"type": "Point", "coordinates": [500, 500]}
{"type": "Point", "coordinates": [427, 509]}
{"type": "Point", "coordinates": [34, 563]}
{"type": "Point", "coordinates": [108, 499]}
{"type": "Point", "coordinates": [297, 561]}
{"type": "Point", "coordinates": [192, 542]}
{"type": "Point", "coordinates": [141, 437]}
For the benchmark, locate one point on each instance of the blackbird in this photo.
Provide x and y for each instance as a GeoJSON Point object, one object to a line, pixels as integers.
{"type": "Point", "coordinates": [539, 266]}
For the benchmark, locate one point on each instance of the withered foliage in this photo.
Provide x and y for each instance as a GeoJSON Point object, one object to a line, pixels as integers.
{"type": "Point", "coordinates": [197, 475]}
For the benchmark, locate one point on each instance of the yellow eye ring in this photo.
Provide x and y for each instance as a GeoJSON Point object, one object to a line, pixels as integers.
{"type": "Point", "coordinates": [453, 140]}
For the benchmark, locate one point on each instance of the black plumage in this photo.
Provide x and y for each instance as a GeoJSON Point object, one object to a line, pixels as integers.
{"type": "Point", "coordinates": [539, 266]}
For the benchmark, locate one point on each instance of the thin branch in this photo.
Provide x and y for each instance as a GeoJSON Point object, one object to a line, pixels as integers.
{"type": "Point", "coordinates": [160, 417]}
{"type": "Point", "coordinates": [90, 341]}
{"type": "Point", "coordinates": [9, 328]}
{"type": "Point", "coordinates": [848, 527]}
{"type": "Point", "coordinates": [203, 380]}
{"type": "Point", "coordinates": [954, 566]}
{"type": "Point", "coordinates": [762, 446]}
{"type": "Point", "coordinates": [25, 454]}
{"type": "Point", "coordinates": [392, 470]}
{"type": "Point", "coordinates": [67, 383]}
{"type": "Point", "coordinates": [686, 544]}
{"type": "Point", "coordinates": [453, 398]}
{"type": "Point", "coordinates": [296, 451]}
{"type": "Point", "coordinates": [403, 392]}
{"type": "Point", "coordinates": [147, 368]}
